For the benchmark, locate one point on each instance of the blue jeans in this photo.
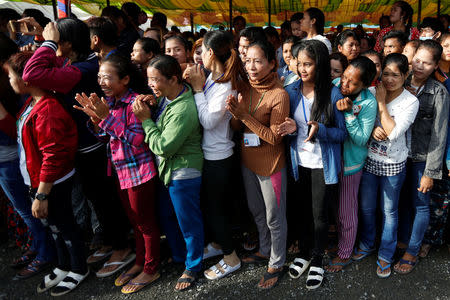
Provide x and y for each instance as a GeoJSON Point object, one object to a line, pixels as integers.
{"type": "Point", "coordinates": [414, 208]}
{"type": "Point", "coordinates": [169, 224]}
{"type": "Point", "coordinates": [389, 188]}
{"type": "Point", "coordinates": [185, 195]}
{"type": "Point", "coordinates": [12, 184]}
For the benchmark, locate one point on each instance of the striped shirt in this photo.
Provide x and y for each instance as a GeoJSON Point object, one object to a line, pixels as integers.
{"type": "Point", "coordinates": [131, 157]}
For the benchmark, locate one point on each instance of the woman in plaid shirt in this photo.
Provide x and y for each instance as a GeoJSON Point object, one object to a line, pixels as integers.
{"type": "Point", "coordinates": [113, 118]}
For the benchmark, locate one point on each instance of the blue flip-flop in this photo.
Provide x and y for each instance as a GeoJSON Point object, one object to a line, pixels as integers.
{"type": "Point", "coordinates": [406, 262]}
{"type": "Point", "coordinates": [364, 253]}
{"type": "Point", "coordinates": [382, 275]}
{"type": "Point", "coordinates": [342, 264]}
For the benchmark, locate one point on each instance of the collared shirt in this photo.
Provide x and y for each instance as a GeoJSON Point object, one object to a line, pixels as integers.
{"type": "Point", "coordinates": [132, 158]}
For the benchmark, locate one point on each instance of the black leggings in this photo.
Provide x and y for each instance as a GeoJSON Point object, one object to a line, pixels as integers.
{"type": "Point", "coordinates": [313, 196]}
{"type": "Point", "coordinates": [101, 190]}
{"type": "Point", "coordinates": [216, 205]}
{"type": "Point", "coordinates": [65, 231]}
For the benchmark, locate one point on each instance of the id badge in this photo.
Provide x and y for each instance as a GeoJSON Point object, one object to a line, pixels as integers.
{"type": "Point", "coordinates": [251, 140]}
{"type": "Point", "coordinates": [308, 146]}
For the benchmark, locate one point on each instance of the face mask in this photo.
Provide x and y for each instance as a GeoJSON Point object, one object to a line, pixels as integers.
{"type": "Point", "coordinates": [424, 38]}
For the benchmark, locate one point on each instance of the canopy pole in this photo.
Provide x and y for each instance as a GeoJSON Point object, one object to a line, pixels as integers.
{"type": "Point", "coordinates": [191, 17]}
{"type": "Point", "coordinates": [439, 8]}
{"type": "Point", "coordinates": [230, 5]}
{"type": "Point", "coordinates": [419, 12]}
{"type": "Point", "coordinates": [270, 11]}
{"type": "Point", "coordinates": [108, 3]}
{"type": "Point", "coordinates": [285, 15]}
{"type": "Point", "coordinates": [55, 10]}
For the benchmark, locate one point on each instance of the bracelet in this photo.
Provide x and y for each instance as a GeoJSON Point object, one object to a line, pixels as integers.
{"type": "Point", "coordinates": [198, 91]}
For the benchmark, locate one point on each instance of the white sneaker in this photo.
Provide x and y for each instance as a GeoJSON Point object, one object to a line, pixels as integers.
{"type": "Point", "coordinates": [210, 251]}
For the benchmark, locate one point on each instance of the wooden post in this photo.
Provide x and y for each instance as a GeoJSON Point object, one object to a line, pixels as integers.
{"type": "Point", "coordinates": [108, 3]}
{"type": "Point", "coordinates": [55, 10]}
{"type": "Point", "coordinates": [230, 4]}
{"type": "Point", "coordinates": [419, 12]}
{"type": "Point", "coordinates": [270, 11]}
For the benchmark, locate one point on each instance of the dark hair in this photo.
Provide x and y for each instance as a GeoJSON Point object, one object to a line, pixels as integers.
{"type": "Point", "coordinates": [372, 52]}
{"type": "Point", "coordinates": [18, 61]}
{"type": "Point", "coordinates": [180, 39]}
{"type": "Point", "coordinates": [175, 29]}
{"type": "Point", "coordinates": [253, 34]}
{"type": "Point", "coordinates": [396, 34]}
{"type": "Point", "coordinates": [115, 14]}
{"type": "Point", "coordinates": [269, 51]}
{"type": "Point", "coordinates": [286, 25]}
{"type": "Point", "coordinates": [297, 17]}
{"type": "Point", "coordinates": [399, 59]}
{"type": "Point", "coordinates": [239, 18]}
{"type": "Point", "coordinates": [367, 69]}
{"type": "Point", "coordinates": [291, 39]}
{"type": "Point", "coordinates": [158, 31]}
{"type": "Point", "coordinates": [270, 31]}
{"type": "Point", "coordinates": [315, 13]}
{"type": "Point", "coordinates": [7, 14]}
{"type": "Point", "coordinates": [407, 13]}
{"type": "Point", "coordinates": [105, 29]}
{"type": "Point", "coordinates": [221, 42]}
{"type": "Point", "coordinates": [434, 47]}
{"type": "Point", "coordinates": [341, 58]}
{"type": "Point", "coordinates": [150, 45]}
{"type": "Point", "coordinates": [75, 32]}
{"type": "Point", "coordinates": [295, 49]}
{"type": "Point", "coordinates": [322, 109]}
{"type": "Point", "coordinates": [160, 18]}
{"type": "Point", "coordinates": [384, 17]}
{"type": "Point", "coordinates": [7, 48]}
{"type": "Point", "coordinates": [125, 67]}
{"type": "Point", "coordinates": [344, 35]}
{"type": "Point", "coordinates": [167, 66]}
{"type": "Point", "coordinates": [37, 15]}
{"type": "Point", "coordinates": [132, 10]}
{"type": "Point", "coordinates": [433, 23]}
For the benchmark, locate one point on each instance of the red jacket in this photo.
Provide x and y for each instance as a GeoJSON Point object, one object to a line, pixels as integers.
{"type": "Point", "coordinates": [50, 138]}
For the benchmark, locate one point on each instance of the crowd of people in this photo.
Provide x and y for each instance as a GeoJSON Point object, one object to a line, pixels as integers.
{"type": "Point", "coordinates": [289, 140]}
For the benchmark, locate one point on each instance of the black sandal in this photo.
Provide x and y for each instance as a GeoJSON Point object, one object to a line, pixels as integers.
{"type": "Point", "coordinates": [268, 276]}
{"type": "Point", "coordinates": [192, 279]}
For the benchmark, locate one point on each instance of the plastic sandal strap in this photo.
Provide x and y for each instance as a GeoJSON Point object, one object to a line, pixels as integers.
{"type": "Point", "coordinates": [383, 268]}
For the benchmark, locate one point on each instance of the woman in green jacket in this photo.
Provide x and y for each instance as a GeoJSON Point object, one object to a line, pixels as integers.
{"type": "Point", "coordinates": [175, 139]}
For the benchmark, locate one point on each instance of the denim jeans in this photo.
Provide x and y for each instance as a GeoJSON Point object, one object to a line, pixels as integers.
{"type": "Point", "coordinates": [388, 187]}
{"type": "Point", "coordinates": [12, 184]}
{"type": "Point", "coordinates": [414, 209]}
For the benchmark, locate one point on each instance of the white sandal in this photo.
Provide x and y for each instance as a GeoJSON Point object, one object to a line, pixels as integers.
{"type": "Point", "coordinates": [52, 279]}
{"type": "Point", "coordinates": [121, 264]}
{"type": "Point", "coordinates": [225, 267]}
{"type": "Point", "coordinates": [315, 273]}
{"type": "Point", "coordinates": [68, 284]}
{"type": "Point", "coordinates": [211, 252]}
{"type": "Point", "coordinates": [298, 267]}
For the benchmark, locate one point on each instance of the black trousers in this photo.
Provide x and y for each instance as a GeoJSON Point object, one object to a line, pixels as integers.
{"type": "Point", "coordinates": [216, 206]}
{"type": "Point", "coordinates": [65, 231]}
{"type": "Point", "coordinates": [101, 190]}
{"type": "Point", "coordinates": [314, 197]}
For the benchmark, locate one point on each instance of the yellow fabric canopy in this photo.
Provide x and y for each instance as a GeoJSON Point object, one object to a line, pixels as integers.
{"type": "Point", "coordinates": [208, 12]}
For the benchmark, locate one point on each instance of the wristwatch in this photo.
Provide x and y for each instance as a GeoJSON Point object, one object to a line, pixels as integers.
{"type": "Point", "coordinates": [41, 197]}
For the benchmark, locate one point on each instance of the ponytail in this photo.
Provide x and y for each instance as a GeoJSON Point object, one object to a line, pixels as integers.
{"type": "Point", "coordinates": [234, 72]}
{"type": "Point", "coordinates": [221, 42]}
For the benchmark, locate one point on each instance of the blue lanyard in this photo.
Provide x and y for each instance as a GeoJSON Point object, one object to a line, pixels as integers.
{"type": "Point", "coordinates": [303, 103]}
{"type": "Point", "coordinates": [110, 52]}
{"type": "Point", "coordinates": [165, 102]}
{"type": "Point", "coordinates": [214, 82]}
